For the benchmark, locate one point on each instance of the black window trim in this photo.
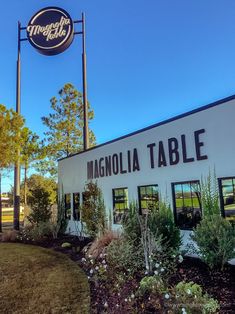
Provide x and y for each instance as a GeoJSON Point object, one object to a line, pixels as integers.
{"type": "Point", "coordinates": [144, 186]}
{"type": "Point", "coordinates": [119, 188]}
{"type": "Point", "coordinates": [65, 204]}
{"type": "Point", "coordinates": [174, 201]}
{"type": "Point", "coordinates": [79, 219]}
{"type": "Point", "coordinates": [222, 210]}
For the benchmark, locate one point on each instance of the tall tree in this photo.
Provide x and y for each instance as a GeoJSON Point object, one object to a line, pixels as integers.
{"type": "Point", "coordinates": [11, 129]}
{"type": "Point", "coordinates": [65, 128]}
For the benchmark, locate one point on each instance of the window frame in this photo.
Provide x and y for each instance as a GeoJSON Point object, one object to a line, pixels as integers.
{"type": "Point", "coordinates": [113, 195]}
{"type": "Point", "coordinates": [79, 203]}
{"type": "Point", "coordinates": [221, 197]}
{"type": "Point", "coordinates": [174, 202]}
{"type": "Point", "coordinates": [67, 216]}
{"type": "Point", "coordinates": [139, 198]}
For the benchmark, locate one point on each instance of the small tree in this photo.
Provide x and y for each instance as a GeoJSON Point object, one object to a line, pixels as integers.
{"type": "Point", "coordinates": [42, 195]}
{"type": "Point", "coordinates": [93, 210]}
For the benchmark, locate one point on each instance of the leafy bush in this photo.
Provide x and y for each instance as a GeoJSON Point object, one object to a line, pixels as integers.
{"type": "Point", "coordinates": [151, 285]}
{"type": "Point", "coordinates": [215, 238]}
{"type": "Point", "coordinates": [93, 210]}
{"type": "Point", "coordinates": [40, 231]}
{"type": "Point", "coordinates": [130, 224]}
{"type": "Point", "coordinates": [124, 257]}
{"type": "Point", "coordinates": [156, 233]}
{"type": "Point", "coordinates": [189, 298]}
{"type": "Point", "coordinates": [161, 222]}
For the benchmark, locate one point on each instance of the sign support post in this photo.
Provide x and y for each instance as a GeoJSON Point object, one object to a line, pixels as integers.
{"type": "Point", "coordinates": [50, 31]}
{"type": "Point", "coordinates": [17, 163]}
{"type": "Point", "coordinates": [84, 79]}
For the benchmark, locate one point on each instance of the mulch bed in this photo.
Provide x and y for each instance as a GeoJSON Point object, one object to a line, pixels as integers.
{"type": "Point", "coordinates": [219, 285]}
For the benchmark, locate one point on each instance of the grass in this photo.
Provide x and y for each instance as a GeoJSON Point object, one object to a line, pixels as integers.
{"type": "Point", "coordinates": [8, 215]}
{"type": "Point", "coordinates": [38, 280]}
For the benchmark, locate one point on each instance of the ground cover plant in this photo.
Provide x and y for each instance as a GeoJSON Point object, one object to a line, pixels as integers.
{"type": "Point", "coordinates": [134, 273]}
{"type": "Point", "coordinates": [38, 280]}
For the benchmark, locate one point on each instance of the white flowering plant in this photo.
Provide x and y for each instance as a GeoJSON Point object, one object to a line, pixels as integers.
{"type": "Point", "coordinates": [188, 297]}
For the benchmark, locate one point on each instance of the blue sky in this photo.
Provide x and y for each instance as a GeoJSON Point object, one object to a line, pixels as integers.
{"type": "Point", "coordinates": [147, 60]}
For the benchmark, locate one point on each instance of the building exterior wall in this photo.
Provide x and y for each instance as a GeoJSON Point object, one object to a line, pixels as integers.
{"type": "Point", "coordinates": [205, 137]}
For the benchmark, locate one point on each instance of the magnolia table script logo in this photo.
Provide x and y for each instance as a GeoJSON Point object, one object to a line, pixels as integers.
{"type": "Point", "coordinates": [50, 31]}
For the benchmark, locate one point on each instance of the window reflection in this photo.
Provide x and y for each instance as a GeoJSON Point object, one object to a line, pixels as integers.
{"type": "Point", "coordinates": [120, 204]}
{"type": "Point", "coordinates": [148, 197]}
{"type": "Point", "coordinates": [187, 204]}
{"type": "Point", "coordinates": [67, 201]}
{"type": "Point", "coordinates": [228, 195]}
{"type": "Point", "coordinates": [76, 206]}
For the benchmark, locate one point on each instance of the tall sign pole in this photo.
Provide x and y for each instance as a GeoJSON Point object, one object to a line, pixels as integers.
{"type": "Point", "coordinates": [84, 79]}
{"type": "Point", "coordinates": [17, 164]}
{"type": "Point", "coordinates": [50, 31]}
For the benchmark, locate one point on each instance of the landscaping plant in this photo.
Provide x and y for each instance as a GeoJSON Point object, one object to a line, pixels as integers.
{"type": "Point", "coordinates": [215, 238]}
{"type": "Point", "coordinates": [209, 195]}
{"type": "Point", "coordinates": [214, 235]}
{"type": "Point", "coordinates": [93, 210]}
{"type": "Point", "coordinates": [188, 297]}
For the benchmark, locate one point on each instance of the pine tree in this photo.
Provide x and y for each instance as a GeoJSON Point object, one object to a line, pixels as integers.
{"type": "Point", "coordinates": [65, 128]}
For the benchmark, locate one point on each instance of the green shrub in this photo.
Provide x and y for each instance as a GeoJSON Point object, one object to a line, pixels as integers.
{"type": "Point", "coordinates": [156, 233]}
{"type": "Point", "coordinates": [215, 238]}
{"type": "Point", "coordinates": [124, 257]}
{"type": "Point", "coordinates": [41, 231]}
{"type": "Point", "coordinates": [161, 222]}
{"type": "Point", "coordinates": [93, 210]}
{"type": "Point", "coordinates": [130, 224]}
{"type": "Point", "coordinates": [189, 298]}
{"type": "Point", "coordinates": [151, 285]}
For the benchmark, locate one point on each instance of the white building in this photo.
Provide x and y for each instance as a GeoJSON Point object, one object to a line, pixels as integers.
{"type": "Point", "coordinates": [167, 159]}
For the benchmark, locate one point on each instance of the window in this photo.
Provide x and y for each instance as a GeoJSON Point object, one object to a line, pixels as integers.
{"type": "Point", "coordinates": [227, 193]}
{"type": "Point", "coordinates": [148, 197]}
{"type": "Point", "coordinates": [120, 204]}
{"type": "Point", "coordinates": [76, 205]}
{"type": "Point", "coordinates": [67, 203]}
{"type": "Point", "coordinates": [187, 204]}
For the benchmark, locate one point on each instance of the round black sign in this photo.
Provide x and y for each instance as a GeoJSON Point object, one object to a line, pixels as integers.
{"type": "Point", "coordinates": [50, 31]}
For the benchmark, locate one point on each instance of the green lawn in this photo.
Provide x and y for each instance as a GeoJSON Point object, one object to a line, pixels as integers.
{"type": "Point", "coordinates": [40, 281]}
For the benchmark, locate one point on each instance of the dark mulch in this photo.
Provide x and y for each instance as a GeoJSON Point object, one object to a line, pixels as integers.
{"type": "Point", "coordinates": [218, 284]}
